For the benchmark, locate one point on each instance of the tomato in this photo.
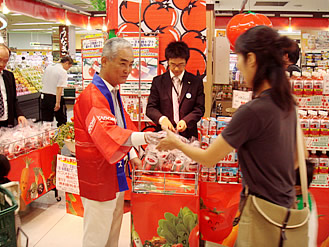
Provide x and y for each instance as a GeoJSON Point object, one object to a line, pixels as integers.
{"type": "Point", "coordinates": [166, 35]}
{"type": "Point", "coordinates": [194, 16]}
{"type": "Point", "coordinates": [195, 39]}
{"type": "Point", "coordinates": [126, 28]}
{"type": "Point", "coordinates": [181, 4]}
{"type": "Point", "coordinates": [135, 73]}
{"type": "Point", "coordinates": [198, 64]}
{"type": "Point", "coordinates": [159, 15]}
{"type": "Point", "coordinates": [91, 71]}
{"type": "Point", "coordinates": [128, 10]}
{"type": "Point", "coordinates": [215, 226]}
{"type": "Point", "coordinates": [193, 239]}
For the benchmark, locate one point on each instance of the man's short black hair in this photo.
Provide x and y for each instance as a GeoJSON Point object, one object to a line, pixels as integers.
{"type": "Point", "coordinates": [291, 48]}
{"type": "Point", "coordinates": [177, 49]}
{"type": "Point", "coordinates": [67, 59]}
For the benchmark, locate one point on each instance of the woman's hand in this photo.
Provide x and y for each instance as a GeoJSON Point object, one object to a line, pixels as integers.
{"type": "Point", "coordinates": [169, 143]}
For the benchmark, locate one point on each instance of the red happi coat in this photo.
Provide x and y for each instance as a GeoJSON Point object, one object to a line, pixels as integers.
{"type": "Point", "coordinates": [98, 144]}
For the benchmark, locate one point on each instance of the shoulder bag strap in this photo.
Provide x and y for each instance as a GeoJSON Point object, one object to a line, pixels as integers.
{"type": "Point", "coordinates": [301, 161]}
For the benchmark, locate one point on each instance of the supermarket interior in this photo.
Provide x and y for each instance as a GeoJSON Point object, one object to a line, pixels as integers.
{"type": "Point", "coordinates": [45, 208]}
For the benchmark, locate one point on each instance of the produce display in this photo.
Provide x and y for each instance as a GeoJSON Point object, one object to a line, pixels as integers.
{"type": "Point", "coordinates": [28, 80]}
{"type": "Point", "coordinates": [21, 140]}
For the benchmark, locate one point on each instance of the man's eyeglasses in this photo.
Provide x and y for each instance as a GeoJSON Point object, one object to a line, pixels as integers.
{"type": "Point", "coordinates": [180, 66]}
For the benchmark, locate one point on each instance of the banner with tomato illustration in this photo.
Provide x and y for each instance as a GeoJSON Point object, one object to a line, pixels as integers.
{"type": "Point", "coordinates": [35, 172]}
{"type": "Point", "coordinates": [168, 20]}
{"type": "Point", "coordinates": [148, 67]}
{"type": "Point", "coordinates": [91, 51]}
{"type": "Point", "coordinates": [165, 220]}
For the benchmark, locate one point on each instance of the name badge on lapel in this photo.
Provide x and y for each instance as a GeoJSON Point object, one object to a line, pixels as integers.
{"type": "Point", "coordinates": [188, 95]}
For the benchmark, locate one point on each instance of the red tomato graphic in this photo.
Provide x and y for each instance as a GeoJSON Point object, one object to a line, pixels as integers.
{"type": "Point", "coordinates": [195, 40]}
{"type": "Point", "coordinates": [194, 16]}
{"type": "Point", "coordinates": [181, 4]}
{"type": "Point", "coordinates": [193, 239]}
{"type": "Point", "coordinates": [166, 36]}
{"type": "Point", "coordinates": [214, 226]}
{"type": "Point", "coordinates": [129, 11]}
{"type": "Point", "coordinates": [159, 15]}
{"type": "Point", "coordinates": [128, 27]}
{"type": "Point", "coordinates": [197, 63]}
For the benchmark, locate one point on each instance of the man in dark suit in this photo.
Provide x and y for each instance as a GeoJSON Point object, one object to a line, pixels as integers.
{"type": "Point", "coordinates": [9, 109]}
{"type": "Point", "coordinates": [177, 98]}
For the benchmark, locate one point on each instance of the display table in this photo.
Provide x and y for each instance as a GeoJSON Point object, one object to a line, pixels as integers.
{"type": "Point", "coordinates": [35, 171]}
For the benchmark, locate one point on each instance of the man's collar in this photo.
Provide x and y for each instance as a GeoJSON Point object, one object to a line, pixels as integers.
{"type": "Point", "coordinates": [180, 77]}
{"type": "Point", "coordinates": [109, 86]}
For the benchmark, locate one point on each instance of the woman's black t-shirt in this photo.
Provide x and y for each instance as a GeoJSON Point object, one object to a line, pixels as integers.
{"type": "Point", "coordinates": [265, 137]}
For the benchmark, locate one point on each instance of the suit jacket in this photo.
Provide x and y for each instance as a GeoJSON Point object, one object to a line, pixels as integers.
{"type": "Point", "coordinates": [13, 109]}
{"type": "Point", "coordinates": [191, 107]}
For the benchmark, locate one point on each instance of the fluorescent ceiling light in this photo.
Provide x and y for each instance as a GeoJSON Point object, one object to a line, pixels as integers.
{"type": "Point", "coordinates": [295, 32]}
{"type": "Point", "coordinates": [31, 29]}
{"type": "Point", "coordinates": [296, 15]}
{"type": "Point", "coordinates": [34, 23]}
{"type": "Point", "coordinates": [15, 14]}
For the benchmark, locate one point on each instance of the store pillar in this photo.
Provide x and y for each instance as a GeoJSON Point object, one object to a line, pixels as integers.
{"type": "Point", "coordinates": [72, 44]}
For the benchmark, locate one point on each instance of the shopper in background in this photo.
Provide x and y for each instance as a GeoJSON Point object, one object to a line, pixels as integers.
{"type": "Point", "coordinates": [9, 109]}
{"type": "Point", "coordinates": [263, 130]}
{"type": "Point", "coordinates": [291, 53]}
{"type": "Point", "coordinates": [52, 101]}
{"type": "Point", "coordinates": [104, 135]}
{"type": "Point", "coordinates": [177, 98]}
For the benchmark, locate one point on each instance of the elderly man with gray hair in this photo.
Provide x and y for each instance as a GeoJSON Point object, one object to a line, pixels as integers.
{"type": "Point", "coordinates": [104, 135]}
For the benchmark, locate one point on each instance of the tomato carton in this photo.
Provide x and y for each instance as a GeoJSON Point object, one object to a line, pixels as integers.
{"type": "Point", "coordinates": [204, 174]}
{"type": "Point", "coordinates": [212, 175]}
{"type": "Point", "coordinates": [308, 85]}
{"type": "Point", "coordinates": [221, 123]}
{"type": "Point", "coordinates": [324, 159]}
{"type": "Point", "coordinates": [205, 125]}
{"type": "Point", "coordinates": [324, 123]}
{"type": "Point", "coordinates": [314, 123]}
{"type": "Point", "coordinates": [298, 86]}
{"type": "Point", "coordinates": [205, 141]}
{"type": "Point", "coordinates": [317, 84]}
{"type": "Point", "coordinates": [228, 174]}
{"type": "Point", "coordinates": [212, 127]}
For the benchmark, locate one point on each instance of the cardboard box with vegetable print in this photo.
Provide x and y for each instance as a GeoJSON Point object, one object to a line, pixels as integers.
{"type": "Point", "coordinates": [171, 220]}
{"type": "Point", "coordinates": [36, 172]}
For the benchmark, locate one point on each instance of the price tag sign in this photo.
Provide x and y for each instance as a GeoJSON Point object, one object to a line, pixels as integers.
{"type": "Point", "coordinates": [67, 174]}
{"type": "Point", "coordinates": [240, 98]}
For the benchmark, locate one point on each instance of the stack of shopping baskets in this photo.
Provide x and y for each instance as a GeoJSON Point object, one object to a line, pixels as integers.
{"type": "Point", "coordinates": [8, 205]}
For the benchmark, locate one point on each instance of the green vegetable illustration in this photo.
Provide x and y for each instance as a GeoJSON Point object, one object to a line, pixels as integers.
{"type": "Point", "coordinates": [176, 229]}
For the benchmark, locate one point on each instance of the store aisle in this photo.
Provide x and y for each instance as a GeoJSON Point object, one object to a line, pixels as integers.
{"type": "Point", "coordinates": [48, 225]}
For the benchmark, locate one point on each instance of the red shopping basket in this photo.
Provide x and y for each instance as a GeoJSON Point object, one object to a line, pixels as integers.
{"type": "Point", "coordinates": [8, 206]}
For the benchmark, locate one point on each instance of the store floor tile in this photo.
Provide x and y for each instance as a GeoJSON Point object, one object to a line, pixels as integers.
{"type": "Point", "coordinates": [47, 224]}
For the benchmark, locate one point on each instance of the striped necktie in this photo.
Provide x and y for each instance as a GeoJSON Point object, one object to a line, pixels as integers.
{"type": "Point", "coordinates": [2, 107]}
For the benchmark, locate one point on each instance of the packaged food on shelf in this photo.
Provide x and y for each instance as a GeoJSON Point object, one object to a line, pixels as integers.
{"type": "Point", "coordinates": [28, 80]}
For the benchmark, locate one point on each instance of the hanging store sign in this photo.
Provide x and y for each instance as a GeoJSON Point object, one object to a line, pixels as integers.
{"type": "Point", "coordinates": [63, 41]}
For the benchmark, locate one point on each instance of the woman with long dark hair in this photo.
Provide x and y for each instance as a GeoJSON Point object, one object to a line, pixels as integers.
{"type": "Point", "coordinates": [264, 130]}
